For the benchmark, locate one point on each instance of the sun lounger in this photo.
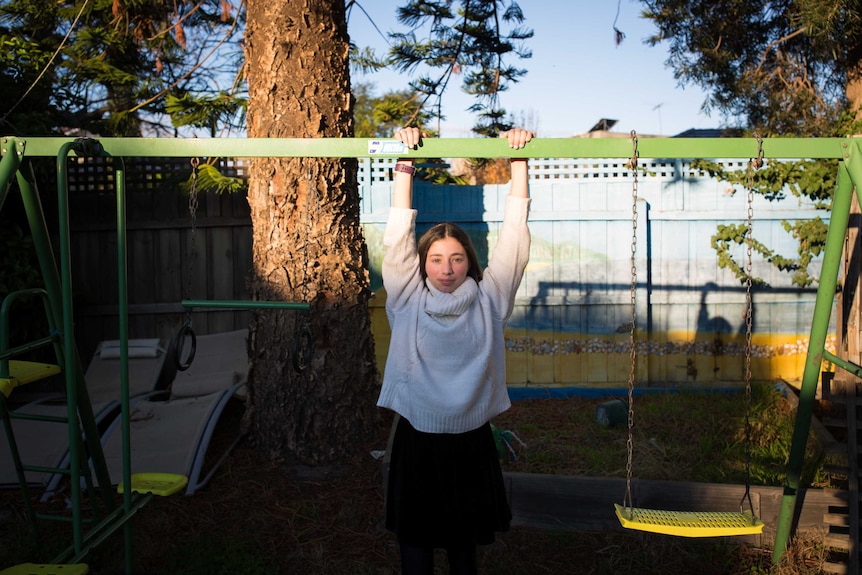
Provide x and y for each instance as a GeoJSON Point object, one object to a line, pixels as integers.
{"type": "Point", "coordinates": [46, 444]}
{"type": "Point", "coordinates": [43, 443]}
{"type": "Point", "coordinates": [147, 360]}
{"type": "Point", "coordinates": [170, 436]}
{"type": "Point", "coordinates": [170, 430]}
{"type": "Point", "coordinates": [173, 435]}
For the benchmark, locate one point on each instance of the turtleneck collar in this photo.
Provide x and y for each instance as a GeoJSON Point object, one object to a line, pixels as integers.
{"type": "Point", "coordinates": [442, 304]}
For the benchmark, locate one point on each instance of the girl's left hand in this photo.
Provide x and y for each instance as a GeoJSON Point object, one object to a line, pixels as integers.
{"type": "Point", "coordinates": [409, 136]}
{"type": "Point", "coordinates": [518, 137]}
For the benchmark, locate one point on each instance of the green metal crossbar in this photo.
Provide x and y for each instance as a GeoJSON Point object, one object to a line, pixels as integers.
{"type": "Point", "coordinates": [13, 150]}
{"type": "Point", "coordinates": [449, 147]}
{"type": "Point", "coordinates": [847, 366]}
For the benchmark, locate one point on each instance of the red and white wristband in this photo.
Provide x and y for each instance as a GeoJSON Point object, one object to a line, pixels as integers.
{"type": "Point", "coordinates": [406, 168]}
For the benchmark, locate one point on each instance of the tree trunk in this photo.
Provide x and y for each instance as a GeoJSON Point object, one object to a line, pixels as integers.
{"type": "Point", "coordinates": [308, 244]}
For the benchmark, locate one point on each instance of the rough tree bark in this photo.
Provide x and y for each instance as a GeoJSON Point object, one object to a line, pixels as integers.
{"type": "Point", "coordinates": [308, 244]}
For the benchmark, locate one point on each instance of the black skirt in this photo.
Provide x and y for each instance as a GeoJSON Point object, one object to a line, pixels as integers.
{"type": "Point", "coordinates": [445, 490]}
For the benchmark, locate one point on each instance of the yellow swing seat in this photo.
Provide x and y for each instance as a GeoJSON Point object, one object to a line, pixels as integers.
{"type": "Point", "coordinates": [161, 484]}
{"type": "Point", "coordinates": [24, 372]}
{"type": "Point", "coordinates": [689, 523]}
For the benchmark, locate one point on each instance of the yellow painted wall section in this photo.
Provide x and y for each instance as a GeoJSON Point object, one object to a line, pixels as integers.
{"type": "Point", "coordinates": [546, 359]}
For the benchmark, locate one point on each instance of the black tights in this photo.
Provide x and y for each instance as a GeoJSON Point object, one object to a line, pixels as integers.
{"type": "Point", "coordinates": [420, 560]}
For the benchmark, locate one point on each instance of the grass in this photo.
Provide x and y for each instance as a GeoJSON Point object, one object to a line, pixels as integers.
{"type": "Point", "coordinates": [263, 517]}
{"type": "Point", "coordinates": [685, 436]}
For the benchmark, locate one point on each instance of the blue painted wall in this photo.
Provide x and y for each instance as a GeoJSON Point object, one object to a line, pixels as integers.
{"type": "Point", "coordinates": [572, 315]}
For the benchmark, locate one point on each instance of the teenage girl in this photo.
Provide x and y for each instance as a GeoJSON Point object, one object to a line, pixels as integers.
{"type": "Point", "coordinates": [445, 374]}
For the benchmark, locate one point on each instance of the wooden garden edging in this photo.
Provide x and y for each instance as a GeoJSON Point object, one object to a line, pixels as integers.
{"type": "Point", "coordinates": [571, 503]}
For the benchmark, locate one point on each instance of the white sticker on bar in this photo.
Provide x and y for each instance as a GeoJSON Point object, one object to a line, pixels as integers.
{"type": "Point", "coordinates": [382, 147]}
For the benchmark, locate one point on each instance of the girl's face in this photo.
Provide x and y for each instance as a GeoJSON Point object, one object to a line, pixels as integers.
{"type": "Point", "coordinates": [446, 264]}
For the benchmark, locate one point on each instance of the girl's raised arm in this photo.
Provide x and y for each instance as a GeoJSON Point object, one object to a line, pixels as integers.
{"type": "Point", "coordinates": [402, 192]}
{"type": "Point", "coordinates": [518, 138]}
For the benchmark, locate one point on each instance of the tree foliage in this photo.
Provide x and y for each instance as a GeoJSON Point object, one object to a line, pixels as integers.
{"type": "Point", "coordinates": [102, 67]}
{"type": "Point", "coordinates": [773, 68]}
{"type": "Point", "coordinates": [153, 67]}
{"type": "Point", "coordinates": [777, 67]}
{"type": "Point", "coordinates": [204, 111]}
{"type": "Point", "coordinates": [380, 116]}
{"type": "Point", "coordinates": [472, 39]}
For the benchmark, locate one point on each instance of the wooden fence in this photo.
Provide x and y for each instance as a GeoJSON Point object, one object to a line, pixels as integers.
{"type": "Point", "coordinates": [171, 255]}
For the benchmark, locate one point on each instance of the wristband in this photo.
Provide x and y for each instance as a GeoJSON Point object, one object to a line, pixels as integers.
{"type": "Point", "coordinates": [406, 168]}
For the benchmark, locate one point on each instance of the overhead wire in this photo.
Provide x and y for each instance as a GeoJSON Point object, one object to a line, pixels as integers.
{"type": "Point", "coordinates": [50, 61]}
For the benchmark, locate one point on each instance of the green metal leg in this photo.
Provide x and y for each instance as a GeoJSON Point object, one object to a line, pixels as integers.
{"type": "Point", "coordinates": [19, 469]}
{"type": "Point", "coordinates": [849, 173]}
{"type": "Point", "coordinates": [123, 300]}
{"type": "Point", "coordinates": [69, 359]}
{"type": "Point", "coordinates": [12, 150]}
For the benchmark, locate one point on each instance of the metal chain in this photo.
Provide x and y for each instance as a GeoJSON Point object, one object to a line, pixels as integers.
{"type": "Point", "coordinates": [193, 211]}
{"type": "Point", "coordinates": [753, 165]}
{"type": "Point", "coordinates": [186, 331]}
{"type": "Point", "coordinates": [633, 165]}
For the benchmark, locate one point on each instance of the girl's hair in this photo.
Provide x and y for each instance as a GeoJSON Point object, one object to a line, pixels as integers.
{"type": "Point", "coordinates": [449, 230]}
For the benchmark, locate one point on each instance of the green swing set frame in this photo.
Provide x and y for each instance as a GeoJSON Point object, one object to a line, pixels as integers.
{"type": "Point", "coordinates": [16, 151]}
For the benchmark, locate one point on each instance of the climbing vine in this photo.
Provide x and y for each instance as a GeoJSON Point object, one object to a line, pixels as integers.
{"type": "Point", "coordinates": [812, 182]}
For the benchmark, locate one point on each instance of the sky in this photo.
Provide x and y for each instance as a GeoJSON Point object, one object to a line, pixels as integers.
{"type": "Point", "coordinates": [576, 76]}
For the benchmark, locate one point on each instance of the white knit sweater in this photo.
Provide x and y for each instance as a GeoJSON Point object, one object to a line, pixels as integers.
{"type": "Point", "coordinates": [446, 369]}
